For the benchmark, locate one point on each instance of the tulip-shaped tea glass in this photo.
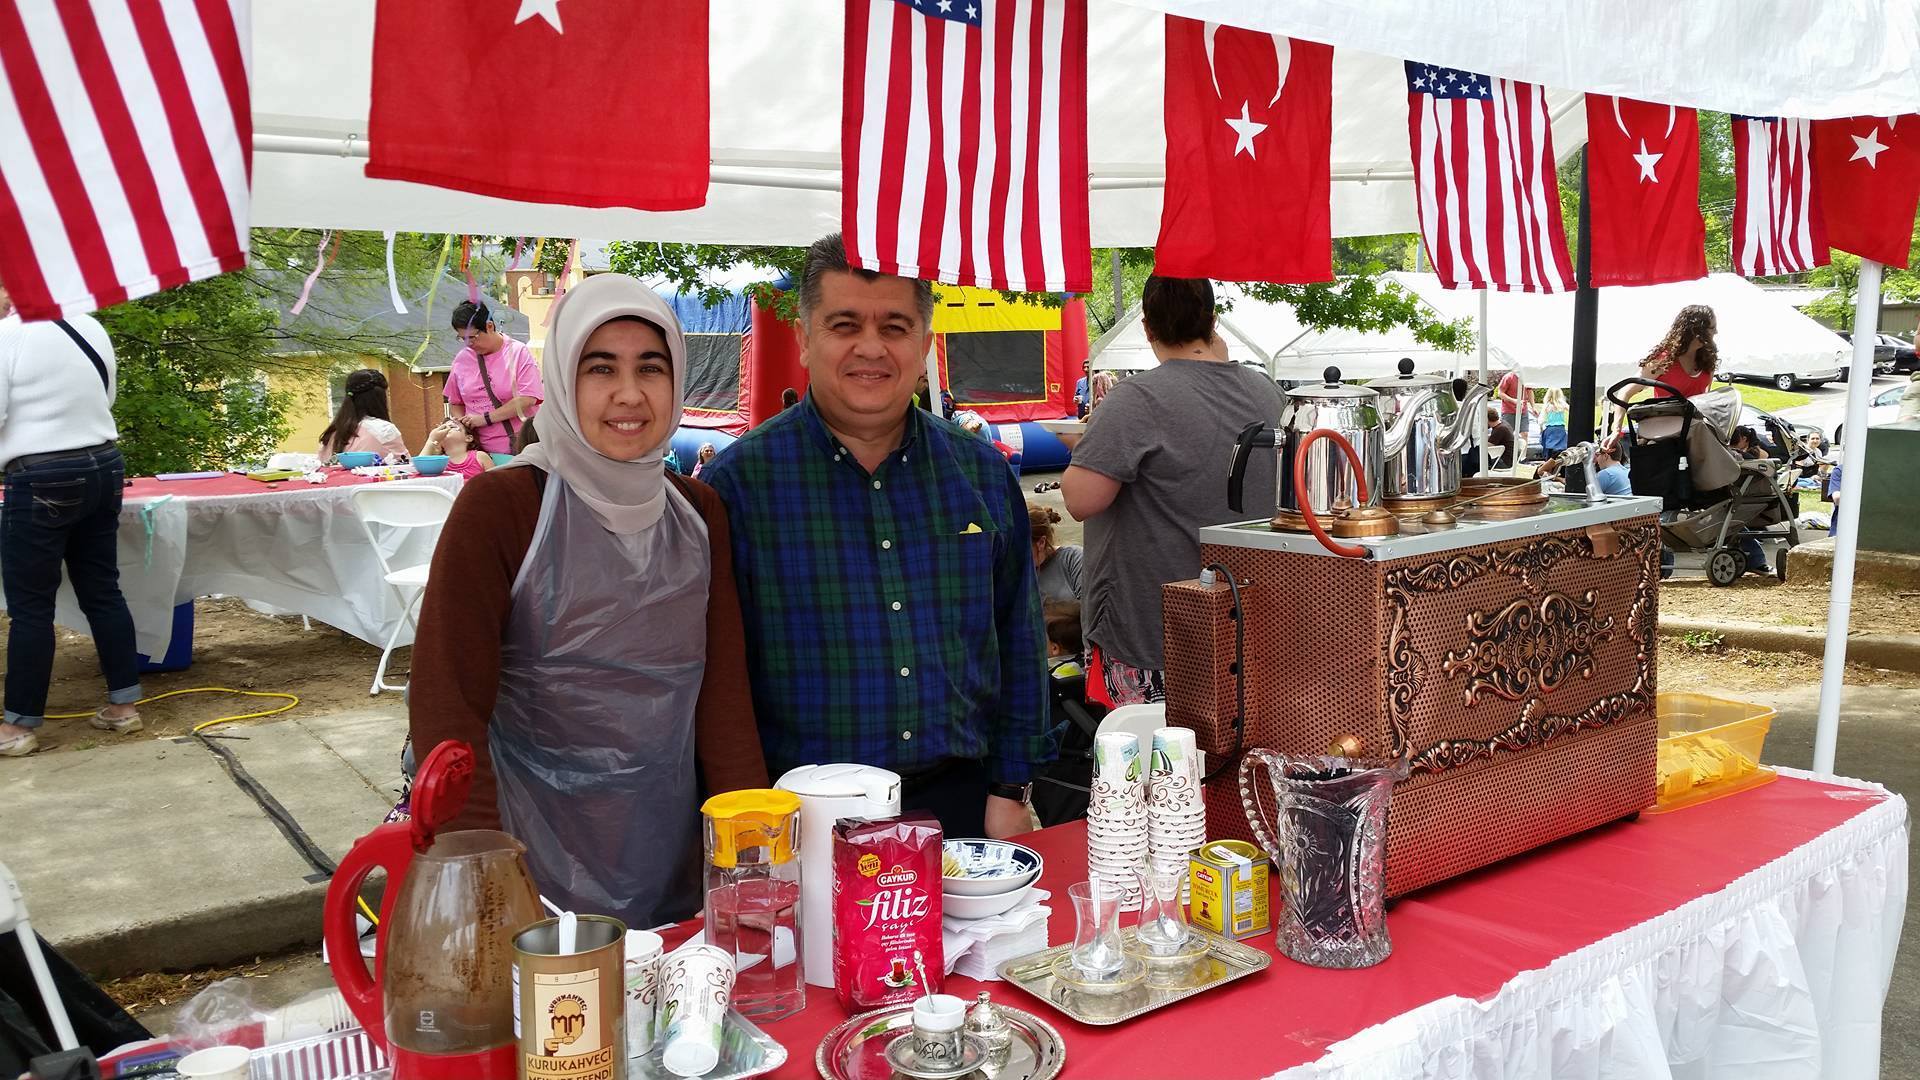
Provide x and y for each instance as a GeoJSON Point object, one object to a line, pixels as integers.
{"type": "Point", "coordinates": [1163, 927]}
{"type": "Point", "coordinates": [1098, 952]}
{"type": "Point", "coordinates": [1329, 841]}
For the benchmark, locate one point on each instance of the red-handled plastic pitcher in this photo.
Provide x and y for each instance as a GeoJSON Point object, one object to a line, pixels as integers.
{"type": "Point", "coordinates": [440, 996]}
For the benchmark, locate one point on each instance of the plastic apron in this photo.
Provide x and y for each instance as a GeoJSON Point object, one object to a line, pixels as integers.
{"type": "Point", "coordinates": [592, 734]}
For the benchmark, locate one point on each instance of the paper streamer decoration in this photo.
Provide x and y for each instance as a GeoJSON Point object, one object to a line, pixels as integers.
{"type": "Point", "coordinates": [393, 282]}
{"type": "Point", "coordinates": [446, 248]}
{"type": "Point", "coordinates": [573, 252]}
{"type": "Point", "coordinates": [321, 256]}
{"type": "Point", "coordinates": [466, 267]}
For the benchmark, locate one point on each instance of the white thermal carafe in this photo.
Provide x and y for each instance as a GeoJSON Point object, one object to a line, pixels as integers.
{"type": "Point", "coordinates": [827, 794]}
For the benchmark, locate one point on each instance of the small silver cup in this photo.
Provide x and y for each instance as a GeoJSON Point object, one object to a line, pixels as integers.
{"type": "Point", "coordinates": [937, 1022]}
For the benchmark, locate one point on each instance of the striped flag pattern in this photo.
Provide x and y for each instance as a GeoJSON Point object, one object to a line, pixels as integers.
{"type": "Point", "coordinates": [1483, 167]}
{"type": "Point", "coordinates": [125, 144]}
{"type": "Point", "coordinates": [964, 142]}
{"type": "Point", "coordinates": [1777, 223]}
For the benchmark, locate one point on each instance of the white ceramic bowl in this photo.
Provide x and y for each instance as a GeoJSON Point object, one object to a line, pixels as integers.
{"type": "Point", "coordinates": [982, 907]}
{"type": "Point", "coordinates": [970, 851]}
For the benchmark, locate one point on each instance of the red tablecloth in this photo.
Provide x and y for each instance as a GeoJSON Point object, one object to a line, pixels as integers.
{"type": "Point", "coordinates": [147, 487]}
{"type": "Point", "coordinates": [1466, 937]}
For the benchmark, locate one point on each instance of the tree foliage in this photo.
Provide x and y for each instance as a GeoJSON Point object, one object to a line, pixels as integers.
{"type": "Point", "coordinates": [190, 364]}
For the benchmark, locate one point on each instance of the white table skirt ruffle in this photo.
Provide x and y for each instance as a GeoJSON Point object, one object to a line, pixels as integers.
{"type": "Point", "coordinates": [1781, 975]}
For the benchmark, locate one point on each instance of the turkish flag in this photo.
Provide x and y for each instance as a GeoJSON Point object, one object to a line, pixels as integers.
{"type": "Point", "coordinates": [541, 101]}
{"type": "Point", "coordinates": [1249, 120]}
{"type": "Point", "coordinates": [1869, 169]}
{"type": "Point", "coordinates": [1643, 180]}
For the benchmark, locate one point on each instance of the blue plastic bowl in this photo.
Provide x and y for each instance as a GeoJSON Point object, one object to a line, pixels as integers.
{"type": "Point", "coordinates": [356, 459]}
{"type": "Point", "coordinates": [431, 464]}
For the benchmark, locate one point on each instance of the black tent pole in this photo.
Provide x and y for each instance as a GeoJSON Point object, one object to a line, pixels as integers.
{"type": "Point", "coordinates": [1586, 329]}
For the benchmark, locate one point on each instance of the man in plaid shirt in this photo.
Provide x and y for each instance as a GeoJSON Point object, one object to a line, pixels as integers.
{"type": "Point", "coordinates": [892, 615]}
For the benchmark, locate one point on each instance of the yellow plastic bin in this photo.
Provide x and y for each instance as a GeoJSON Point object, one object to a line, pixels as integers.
{"type": "Point", "coordinates": [1709, 748]}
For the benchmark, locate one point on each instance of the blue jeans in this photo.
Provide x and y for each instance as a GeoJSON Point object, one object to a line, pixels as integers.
{"type": "Point", "coordinates": [64, 510]}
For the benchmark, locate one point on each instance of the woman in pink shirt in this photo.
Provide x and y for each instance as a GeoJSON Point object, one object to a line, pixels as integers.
{"type": "Point", "coordinates": [494, 387]}
{"type": "Point", "coordinates": [362, 422]}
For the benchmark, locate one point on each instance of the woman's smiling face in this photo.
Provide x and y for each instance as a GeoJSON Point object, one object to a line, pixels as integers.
{"type": "Point", "coordinates": [623, 389]}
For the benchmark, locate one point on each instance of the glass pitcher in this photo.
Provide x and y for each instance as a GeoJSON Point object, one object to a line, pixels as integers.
{"type": "Point", "coordinates": [1329, 840]}
{"type": "Point", "coordinates": [753, 897]}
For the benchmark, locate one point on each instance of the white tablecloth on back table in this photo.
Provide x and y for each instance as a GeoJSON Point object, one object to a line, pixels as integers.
{"type": "Point", "coordinates": [297, 547]}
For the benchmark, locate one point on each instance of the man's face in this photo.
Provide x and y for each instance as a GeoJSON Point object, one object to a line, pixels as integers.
{"type": "Point", "coordinates": [865, 348]}
{"type": "Point", "coordinates": [6, 302]}
{"type": "Point", "coordinates": [483, 340]}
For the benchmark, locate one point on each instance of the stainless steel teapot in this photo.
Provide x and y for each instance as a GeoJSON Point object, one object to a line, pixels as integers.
{"type": "Point", "coordinates": [1426, 464]}
{"type": "Point", "coordinates": [1331, 482]}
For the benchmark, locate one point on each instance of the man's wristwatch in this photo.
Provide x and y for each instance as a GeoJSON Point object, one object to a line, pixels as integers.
{"type": "Point", "coordinates": [486, 418]}
{"type": "Point", "coordinates": [1019, 793]}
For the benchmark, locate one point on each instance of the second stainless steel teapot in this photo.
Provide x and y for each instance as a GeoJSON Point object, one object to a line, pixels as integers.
{"type": "Point", "coordinates": [1428, 432]}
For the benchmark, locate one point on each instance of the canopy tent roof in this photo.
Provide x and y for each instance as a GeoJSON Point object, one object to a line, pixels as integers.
{"type": "Point", "coordinates": [1759, 333]}
{"type": "Point", "coordinates": [776, 156]}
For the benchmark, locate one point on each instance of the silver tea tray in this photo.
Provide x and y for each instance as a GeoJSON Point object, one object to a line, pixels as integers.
{"type": "Point", "coordinates": [1224, 961]}
{"type": "Point", "coordinates": [745, 1051]}
{"type": "Point", "coordinates": [857, 1049]}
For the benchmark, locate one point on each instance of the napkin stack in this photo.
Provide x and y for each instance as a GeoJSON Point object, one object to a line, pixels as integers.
{"type": "Point", "coordinates": [1117, 814]}
{"type": "Point", "coordinates": [977, 947]}
{"type": "Point", "coordinates": [1176, 817]}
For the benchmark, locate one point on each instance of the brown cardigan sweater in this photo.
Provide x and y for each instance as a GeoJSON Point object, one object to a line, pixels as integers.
{"type": "Point", "coordinates": [456, 654]}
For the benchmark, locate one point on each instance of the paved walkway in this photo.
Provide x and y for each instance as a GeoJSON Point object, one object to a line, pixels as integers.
{"type": "Point", "coordinates": [145, 854]}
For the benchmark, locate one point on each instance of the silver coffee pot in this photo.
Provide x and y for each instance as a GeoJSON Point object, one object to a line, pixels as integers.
{"type": "Point", "coordinates": [1426, 466]}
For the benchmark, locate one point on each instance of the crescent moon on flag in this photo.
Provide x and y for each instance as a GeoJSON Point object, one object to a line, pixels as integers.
{"type": "Point", "coordinates": [1672, 113]}
{"type": "Point", "coordinates": [1282, 55]}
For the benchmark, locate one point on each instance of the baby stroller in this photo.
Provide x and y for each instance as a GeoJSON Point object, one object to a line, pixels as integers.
{"type": "Point", "coordinates": [1713, 498]}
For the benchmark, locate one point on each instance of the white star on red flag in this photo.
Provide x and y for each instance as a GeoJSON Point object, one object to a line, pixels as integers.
{"type": "Point", "coordinates": [1647, 162]}
{"type": "Point", "coordinates": [545, 9]}
{"type": "Point", "coordinates": [1868, 148]}
{"type": "Point", "coordinates": [1244, 129]}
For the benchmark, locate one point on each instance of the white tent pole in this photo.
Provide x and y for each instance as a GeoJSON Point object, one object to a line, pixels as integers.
{"type": "Point", "coordinates": [1480, 413]}
{"type": "Point", "coordinates": [1833, 673]}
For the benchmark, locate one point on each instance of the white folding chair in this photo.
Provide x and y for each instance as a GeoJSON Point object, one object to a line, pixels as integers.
{"type": "Point", "coordinates": [13, 916]}
{"type": "Point", "coordinates": [399, 510]}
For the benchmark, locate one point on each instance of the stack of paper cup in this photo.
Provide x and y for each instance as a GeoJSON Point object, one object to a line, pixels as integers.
{"type": "Point", "coordinates": [1117, 814]}
{"type": "Point", "coordinates": [1176, 816]}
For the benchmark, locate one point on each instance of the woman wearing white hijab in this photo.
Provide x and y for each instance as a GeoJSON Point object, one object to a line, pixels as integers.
{"type": "Point", "coordinates": [581, 628]}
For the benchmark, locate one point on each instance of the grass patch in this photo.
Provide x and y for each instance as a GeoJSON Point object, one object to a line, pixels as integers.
{"type": "Point", "coordinates": [1767, 399]}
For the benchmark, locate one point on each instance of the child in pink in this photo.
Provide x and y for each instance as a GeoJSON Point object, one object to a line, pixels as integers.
{"type": "Point", "coordinates": [455, 441]}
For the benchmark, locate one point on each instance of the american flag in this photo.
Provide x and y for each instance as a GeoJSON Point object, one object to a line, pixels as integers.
{"type": "Point", "coordinates": [964, 142]}
{"type": "Point", "coordinates": [125, 142]}
{"type": "Point", "coordinates": [1483, 168]}
{"type": "Point", "coordinates": [1777, 224]}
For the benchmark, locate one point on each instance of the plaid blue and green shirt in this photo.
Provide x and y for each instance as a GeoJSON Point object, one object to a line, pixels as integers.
{"type": "Point", "coordinates": [892, 617]}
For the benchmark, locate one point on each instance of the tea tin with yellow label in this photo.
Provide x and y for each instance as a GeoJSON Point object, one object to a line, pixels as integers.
{"type": "Point", "coordinates": [1228, 881]}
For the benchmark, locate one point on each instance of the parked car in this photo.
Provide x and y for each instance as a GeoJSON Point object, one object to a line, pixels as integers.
{"type": "Point", "coordinates": [1792, 380]}
{"type": "Point", "coordinates": [1882, 408]}
{"type": "Point", "coordinates": [1886, 352]}
{"type": "Point", "coordinates": [1905, 359]}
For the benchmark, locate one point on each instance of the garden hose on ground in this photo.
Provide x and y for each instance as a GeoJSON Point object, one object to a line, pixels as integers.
{"type": "Point", "coordinates": [291, 701]}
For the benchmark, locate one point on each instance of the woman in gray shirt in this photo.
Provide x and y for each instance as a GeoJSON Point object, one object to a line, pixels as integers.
{"type": "Point", "coordinates": [1058, 568]}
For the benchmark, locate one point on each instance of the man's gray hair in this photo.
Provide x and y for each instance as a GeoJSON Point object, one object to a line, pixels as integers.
{"type": "Point", "coordinates": [829, 255]}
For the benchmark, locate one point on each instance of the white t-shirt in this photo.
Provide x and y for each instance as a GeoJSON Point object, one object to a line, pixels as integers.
{"type": "Point", "coordinates": [50, 393]}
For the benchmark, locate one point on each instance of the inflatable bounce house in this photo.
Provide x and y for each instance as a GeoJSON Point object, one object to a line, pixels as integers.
{"type": "Point", "coordinates": [1011, 363]}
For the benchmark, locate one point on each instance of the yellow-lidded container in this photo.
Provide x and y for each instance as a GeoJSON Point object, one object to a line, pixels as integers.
{"type": "Point", "coordinates": [740, 821]}
{"type": "Point", "coordinates": [1709, 748]}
